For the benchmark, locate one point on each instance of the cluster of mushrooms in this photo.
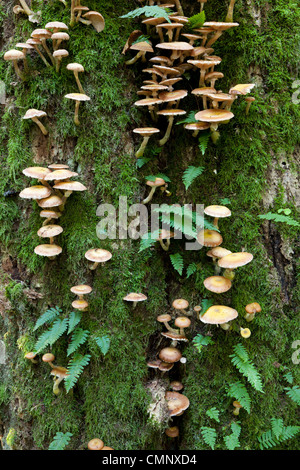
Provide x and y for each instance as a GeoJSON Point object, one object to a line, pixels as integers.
{"type": "Point", "coordinates": [178, 52]}
{"type": "Point", "coordinates": [51, 194]}
{"type": "Point", "coordinates": [47, 43]}
{"type": "Point", "coordinates": [57, 372]}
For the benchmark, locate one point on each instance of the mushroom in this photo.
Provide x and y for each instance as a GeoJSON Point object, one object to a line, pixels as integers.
{"type": "Point", "coordinates": [76, 69]}
{"type": "Point", "coordinates": [51, 201]}
{"type": "Point", "coordinates": [214, 117]}
{"type": "Point", "coordinates": [32, 16]}
{"type": "Point", "coordinates": [56, 26]}
{"type": "Point", "coordinates": [37, 172]}
{"type": "Point", "coordinates": [251, 310]}
{"type": "Point", "coordinates": [35, 43]}
{"type": "Point", "coordinates": [50, 231]}
{"type": "Point", "coordinates": [210, 238]}
{"type": "Point", "coordinates": [165, 318]}
{"type": "Point", "coordinates": [170, 355]}
{"type": "Point", "coordinates": [176, 386]}
{"type": "Point", "coordinates": [179, 49]}
{"type": "Point", "coordinates": [217, 212]}
{"type": "Point", "coordinates": [217, 284]}
{"type": "Point", "coordinates": [146, 133]}
{"type": "Point", "coordinates": [68, 187]}
{"type": "Point", "coordinates": [58, 38]}
{"type": "Point", "coordinates": [49, 358]}
{"type": "Point", "coordinates": [35, 192]}
{"type": "Point", "coordinates": [14, 56]}
{"type": "Point", "coordinates": [219, 28]}
{"type": "Point", "coordinates": [135, 298]}
{"type": "Point", "coordinates": [42, 35]}
{"type": "Point", "coordinates": [203, 65]}
{"type": "Point", "coordinates": [34, 115]}
{"type": "Point", "coordinates": [203, 92]}
{"type": "Point", "coordinates": [218, 314]}
{"type": "Point", "coordinates": [182, 322]}
{"type": "Point", "coordinates": [31, 357]}
{"type": "Point", "coordinates": [58, 56]}
{"type": "Point", "coordinates": [233, 261]}
{"type": "Point", "coordinates": [49, 251]}
{"type": "Point", "coordinates": [245, 332]}
{"type": "Point", "coordinates": [249, 100]}
{"type": "Point", "coordinates": [170, 27]}
{"type": "Point", "coordinates": [177, 403]}
{"type": "Point", "coordinates": [25, 49]}
{"type": "Point", "coordinates": [59, 373]}
{"type": "Point", "coordinates": [77, 97]}
{"type": "Point", "coordinates": [165, 235]}
{"type": "Point", "coordinates": [242, 89]}
{"type": "Point", "coordinates": [181, 305]}
{"type": "Point", "coordinates": [59, 175]}
{"type": "Point", "coordinates": [142, 47]}
{"type": "Point", "coordinates": [96, 19]}
{"type": "Point", "coordinates": [151, 103]}
{"type": "Point", "coordinates": [49, 215]}
{"type": "Point", "coordinates": [170, 114]}
{"type": "Point", "coordinates": [153, 184]}
{"type": "Point", "coordinates": [229, 16]}
{"type": "Point", "coordinates": [196, 127]}
{"type": "Point", "coordinates": [172, 431]}
{"type": "Point", "coordinates": [97, 256]}
{"type": "Point", "coordinates": [237, 407]}
{"type": "Point", "coordinates": [81, 305]}
{"type": "Point", "coordinates": [95, 444]}
{"type": "Point", "coordinates": [81, 290]}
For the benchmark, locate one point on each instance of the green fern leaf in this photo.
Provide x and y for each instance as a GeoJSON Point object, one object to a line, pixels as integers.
{"type": "Point", "coordinates": [47, 317]}
{"type": "Point", "coordinates": [277, 427]}
{"type": "Point", "coordinates": [209, 436]}
{"type": "Point", "coordinates": [79, 337]}
{"type": "Point", "coordinates": [199, 341]}
{"type": "Point", "coordinates": [213, 413]}
{"type": "Point", "coordinates": [238, 391]}
{"type": "Point", "coordinates": [203, 141]}
{"type": "Point", "coordinates": [191, 269]}
{"type": "Point", "coordinates": [280, 218]}
{"type": "Point", "coordinates": [205, 305]}
{"type": "Point", "coordinates": [49, 337]}
{"type": "Point", "coordinates": [241, 361]}
{"type": "Point", "coordinates": [277, 434]}
{"type": "Point", "coordinates": [74, 319]}
{"type": "Point", "coordinates": [149, 11]}
{"type": "Point", "coordinates": [189, 119]}
{"type": "Point", "coordinates": [190, 174]}
{"type": "Point", "coordinates": [288, 377]}
{"type": "Point", "coordinates": [232, 441]}
{"type": "Point", "coordinates": [60, 441]}
{"type": "Point", "coordinates": [294, 393]}
{"type": "Point", "coordinates": [75, 369]}
{"type": "Point", "coordinates": [104, 343]}
{"type": "Point", "coordinates": [147, 241]}
{"type": "Point", "coordinates": [196, 21]}
{"type": "Point", "coordinates": [177, 262]}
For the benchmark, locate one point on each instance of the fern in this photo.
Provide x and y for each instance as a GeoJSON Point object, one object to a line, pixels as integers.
{"type": "Point", "coordinates": [48, 317]}
{"type": "Point", "coordinates": [104, 343]}
{"type": "Point", "coordinates": [288, 377]}
{"type": "Point", "coordinates": [232, 441]}
{"type": "Point", "coordinates": [49, 337]}
{"type": "Point", "coordinates": [191, 269]}
{"type": "Point", "coordinates": [74, 319]}
{"type": "Point", "coordinates": [280, 218]}
{"type": "Point", "coordinates": [79, 337]}
{"type": "Point", "coordinates": [60, 441]}
{"type": "Point", "coordinates": [196, 21]}
{"type": "Point", "coordinates": [294, 393]}
{"type": "Point", "coordinates": [241, 361]}
{"type": "Point", "coordinates": [200, 341]}
{"type": "Point", "coordinates": [277, 434]}
{"type": "Point", "coordinates": [240, 393]}
{"type": "Point", "coordinates": [213, 413]}
{"type": "Point", "coordinates": [189, 119]}
{"type": "Point", "coordinates": [190, 174]}
{"type": "Point", "coordinates": [75, 369]}
{"type": "Point", "coordinates": [159, 175]}
{"type": "Point", "coordinates": [209, 436]}
{"type": "Point", "coordinates": [205, 305]}
{"type": "Point", "coordinates": [149, 11]}
{"type": "Point", "coordinates": [177, 262]}
{"type": "Point", "coordinates": [203, 141]}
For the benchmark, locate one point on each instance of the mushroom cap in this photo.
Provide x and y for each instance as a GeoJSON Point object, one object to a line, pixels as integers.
{"type": "Point", "coordinates": [70, 186]}
{"type": "Point", "coordinates": [57, 175]}
{"type": "Point", "coordinates": [56, 25]}
{"type": "Point", "coordinates": [166, 70]}
{"type": "Point", "coordinates": [170, 355]}
{"type": "Point", "coordinates": [13, 54]}
{"type": "Point", "coordinates": [217, 211]}
{"type": "Point", "coordinates": [206, 90]}
{"type": "Point", "coordinates": [245, 332]}
{"type": "Point", "coordinates": [220, 252]}
{"type": "Point", "coordinates": [182, 322]}
{"type": "Point", "coordinates": [41, 33]}
{"type": "Point", "coordinates": [235, 260]}
{"type": "Point", "coordinates": [170, 25]}
{"type": "Point", "coordinates": [81, 289]}
{"type": "Point", "coordinates": [177, 403]}
{"type": "Point", "coordinates": [75, 67]}
{"type": "Point", "coordinates": [165, 366]}
{"type": "Point", "coordinates": [214, 115]}
{"type": "Point", "coordinates": [24, 45]}
{"type": "Point", "coordinates": [197, 126]}
{"type": "Point", "coordinates": [172, 431]}
{"type": "Point", "coordinates": [242, 89]}
{"type": "Point", "coordinates": [170, 81]}
{"type": "Point", "coordinates": [47, 214]}
{"type": "Point", "coordinates": [249, 99]}
{"type": "Point", "coordinates": [77, 97]}
{"type": "Point", "coordinates": [165, 234]}
{"type": "Point", "coordinates": [60, 53]}
{"type": "Point", "coordinates": [158, 182]}
{"type": "Point", "coordinates": [217, 284]}
{"type": "Point", "coordinates": [30, 355]}
{"type": "Point", "coordinates": [154, 21]}
{"type": "Point", "coordinates": [204, 64]}
{"type": "Point", "coordinates": [176, 386]}
{"type": "Point", "coordinates": [199, 51]}
{"type": "Point", "coordinates": [148, 102]}
{"type": "Point", "coordinates": [168, 96]}
{"type": "Point", "coordinates": [175, 46]}
{"type": "Point", "coordinates": [95, 444]}
{"type": "Point", "coordinates": [219, 26]}
{"type": "Point", "coordinates": [154, 87]}
{"type": "Point", "coordinates": [154, 364]}
{"type": "Point", "coordinates": [210, 238]}
{"type": "Point", "coordinates": [146, 131]}
{"type": "Point", "coordinates": [218, 314]}
{"type": "Point", "coordinates": [197, 308]}
{"type": "Point", "coordinates": [135, 297]}
{"type": "Point", "coordinates": [107, 448]}
{"type": "Point", "coordinates": [62, 36]}
{"type": "Point", "coordinates": [98, 255]}
{"type": "Point", "coordinates": [60, 372]}
{"type": "Point", "coordinates": [51, 201]}
{"type": "Point", "coordinates": [142, 46]}
{"type": "Point", "coordinates": [35, 192]}
{"type": "Point", "coordinates": [32, 113]}
{"type": "Point", "coordinates": [80, 304]}
{"type": "Point", "coordinates": [212, 75]}
{"type": "Point", "coordinates": [171, 112]}
{"type": "Point", "coordinates": [97, 20]}
{"type": "Point", "coordinates": [36, 172]}
{"type": "Point", "coordinates": [237, 404]}
{"type": "Point", "coordinates": [48, 357]}
{"type": "Point", "coordinates": [180, 304]}
{"type": "Point", "coordinates": [58, 166]}
{"type": "Point", "coordinates": [164, 318]}
{"type": "Point", "coordinates": [220, 97]}
{"type": "Point", "coordinates": [49, 231]}
{"type": "Point", "coordinates": [48, 250]}
{"type": "Point", "coordinates": [178, 18]}
{"type": "Point", "coordinates": [254, 307]}
{"type": "Point", "coordinates": [174, 336]}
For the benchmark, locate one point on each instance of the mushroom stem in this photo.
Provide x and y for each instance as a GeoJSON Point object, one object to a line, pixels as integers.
{"type": "Point", "coordinates": [165, 139]}
{"type": "Point", "coordinates": [43, 41]}
{"type": "Point", "coordinates": [43, 129]}
{"type": "Point", "coordinates": [26, 7]}
{"type": "Point", "coordinates": [72, 19]}
{"type": "Point", "coordinates": [17, 70]}
{"type": "Point", "coordinates": [87, 22]}
{"type": "Point", "coordinates": [249, 316]}
{"type": "Point", "coordinates": [248, 107]}
{"type": "Point", "coordinates": [229, 274]}
{"type": "Point", "coordinates": [214, 38]}
{"type": "Point", "coordinates": [135, 58]}
{"type": "Point", "coordinates": [78, 82]}
{"type": "Point", "coordinates": [216, 221]}
{"type": "Point", "coordinates": [93, 266]}
{"type": "Point", "coordinates": [202, 78]}
{"type": "Point", "coordinates": [150, 196]}
{"type": "Point", "coordinates": [229, 17]}
{"type": "Point", "coordinates": [56, 389]}
{"type": "Point", "coordinates": [179, 8]}
{"type": "Point", "coordinates": [41, 55]}
{"type": "Point", "coordinates": [165, 246]}
{"type": "Point", "coordinates": [76, 118]}
{"type": "Point", "coordinates": [236, 411]}
{"type": "Point", "coordinates": [142, 148]}
{"type": "Point", "coordinates": [34, 361]}
{"type": "Point", "coordinates": [225, 326]}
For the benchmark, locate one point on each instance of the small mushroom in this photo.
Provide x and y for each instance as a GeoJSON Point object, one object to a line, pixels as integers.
{"type": "Point", "coordinates": [59, 373]}
{"type": "Point", "coordinates": [219, 314]}
{"type": "Point", "coordinates": [209, 238]}
{"type": "Point", "coordinates": [165, 235]}
{"type": "Point", "coordinates": [77, 97]}
{"type": "Point", "coordinates": [58, 55]}
{"type": "Point", "coordinates": [135, 298]}
{"type": "Point", "coordinates": [35, 192]}
{"type": "Point", "coordinates": [170, 355]}
{"type": "Point", "coordinates": [58, 38]}
{"type": "Point", "coordinates": [249, 100]}
{"type": "Point", "coordinates": [14, 56]}
{"type": "Point", "coordinates": [81, 305]}
{"type": "Point", "coordinates": [182, 322]}
{"type": "Point", "coordinates": [217, 284]}
{"type": "Point", "coordinates": [165, 318]}
{"type": "Point", "coordinates": [229, 16]}
{"type": "Point", "coordinates": [153, 184]}
{"type": "Point", "coordinates": [49, 251]}
{"type": "Point", "coordinates": [181, 305]}
{"type": "Point", "coordinates": [76, 69]}
{"type": "Point", "coordinates": [245, 332]}
{"type": "Point", "coordinates": [50, 231]}
{"type": "Point", "coordinates": [34, 115]}
{"type": "Point", "coordinates": [96, 19]}
{"type": "Point", "coordinates": [95, 444]}
{"type": "Point", "coordinates": [97, 256]}
{"type": "Point", "coordinates": [177, 403]}
{"type": "Point", "coordinates": [49, 358]}
{"type": "Point", "coordinates": [146, 133]}
{"type": "Point", "coordinates": [217, 212]}
{"type": "Point", "coordinates": [31, 357]}
{"type": "Point", "coordinates": [251, 310]}
{"type": "Point", "coordinates": [142, 47]}
{"type": "Point", "coordinates": [233, 261]}
{"type": "Point", "coordinates": [81, 290]}
{"type": "Point", "coordinates": [237, 407]}
{"type": "Point", "coordinates": [172, 432]}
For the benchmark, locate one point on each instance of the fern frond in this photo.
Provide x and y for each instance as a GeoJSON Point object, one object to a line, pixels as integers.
{"type": "Point", "coordinates": [189, 119]}
{"type": "Point", "coordinates": [177, 262]}
{"type": "Point", "coordinates": [209, 436]}
{"type": "Point", "coordinates": [232, 441]}
{"type": "Point", "coordinates": [196, 21]}
{"type": "Point", "coordinates": [288, 377]}
{"type": "Point", "coordinates": [280, 218]}
{"type": "Point", "coordinates": [79, 337]}
{"type": "Point", "coordinates": [213, 413]}
{"type": "Point", "coordinates": [49, 337]}
{"type": "Point", "coordinates": [149, 11]}
{"type": "Point", "coordinates": [294, 393]}
{"type": "Point", "coordinates": [190, 174]}
{"type": "Point", "coordinates": [277, 434]}
{"type": "Point", "coordinates": [200, 341]}
{"type": "Point", "coordinates": [47, 317]}
{"type": "Point", "coordinates": [241, 361]}
{"type": "Point", "coordinates": [60, 441]}
{"type": "Point", "coordinates": [104, 343]}
{"type": "Point", "coordinates": [74, 319]}
{"type": "Point", "coordinates": [203, 141]}
{"type": "Point", "coordinates": [277, 427]}
{"type": "Point", "coordinates": [147, 240]}
{"type": "Point", "coordinates": [75, 369]}
{"type": "Point", "coordinates": [238, 391]}
{"type": "Point", "coordinates": [191, 269]}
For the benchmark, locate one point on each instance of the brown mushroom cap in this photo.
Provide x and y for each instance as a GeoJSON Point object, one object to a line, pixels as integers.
{"type": "Point", "coordinates": [217, 211]}
{"type": "Point", "coordinates": [172, 432]}
{"type": "Point", "coordinates": [47, 214]}
{"type": "Point", "coordinates": [60, 36]}
{"type": "Point", "coordinates": [48, 250]}
{"type": "Point", "coordinates": [158, 182]}
{"type": "Point", "coordinates": [35, 192]}
{"type": "Point", "coordinates": [164, 318]}
{"type": "Point", "coordinates": [51, 201]}
{"type": "Point", "coordinates": [98, 255]}
{"type": "Point", "coordinates": [175, 46]}
{"type": "Point", "coordinates": [219, 252]}
{"type": "Point", "coordinates": [48, 357]}
{"type": "Point", "coordinates": [171, 112]}
{"type": "Point", "coordinates": [169, 96]}
{"type": "Point", "coordinates": [165, 366]}
{"type": "Point", "coordinates": [242, 89]}
{"type": "Point", "coordinates": [210, 238]}
{"type": "Point", "coordinates": [237, 404]}
{"type": "Point", "coordinates": [13, 54]}
{"type": "Point", "coordinates": [177, 403]}
{"type": "Point", "coordinates": [254, 307]}
{"type": "Point", "coordinates": [146, 131]}
{"type": "Point", "coordinates": [60, 372]}
{"type": "Point", "coordinates": [56, 25]}
{"type": "Point", "coordinates": [217, 284]}
{"type": "Point", "coordinates": [60, 53]}
{"type": "Point", "coordinates": [235, 260]}
{"type": "Point", "coordinates": [30, 355]}
{"type": "Point", "coordinates": [95, 444]}
{"type": "Point", "coordinates": [70, 186]}
{"type": "Point", "coordinates": [197, 126]}
{"type": "Point", "coordinates": [214, 115]}
{"type": "Point", "coordinates": [203, 91]}
{"type": "Point", "coordinates": [142, 46]}
{"type": "Point", "coordinates": [174, 336]}
{"type": "Point", "coordinates": [135, 297]}
{"type": "Point", "coordinates": [77, 97]}
{"type": "Point", "coordinates": [80, 304]}
{"type": "Point", "coordinates": [170, 355]}
{"type": "Point", "coordinates": [75, 67]}
{"type": "Point", "coordinates": [49, 231]}
{"type": "Point", "coordinates": [32, 113]}
{"type": "Point", "coordinates": [58, 166]}
{"type": "Point", "coordinates": [57, 175]}
{"type": "Point", "coordinates": [219, 26]}
{"type": "Point", "coordinates": [176, 386]}
{"type": "Point", "coordinates": [36, 172]}
{"type": "Point", "coordinates": [154, 364]}
{"type": "Point", "coordinates": [96, 19]}
{"type": "Point", "coordinates": [219, 314]}
{"type": "Point", "coordinates": [182, 322]}
{"type": "Point", "coordinates": [81, 289]}
{"type": "Point", "coordinates": [180, 304]}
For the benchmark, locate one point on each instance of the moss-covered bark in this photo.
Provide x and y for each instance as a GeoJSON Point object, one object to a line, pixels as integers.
{"type": "Point", "coordinates": [254, 165]}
